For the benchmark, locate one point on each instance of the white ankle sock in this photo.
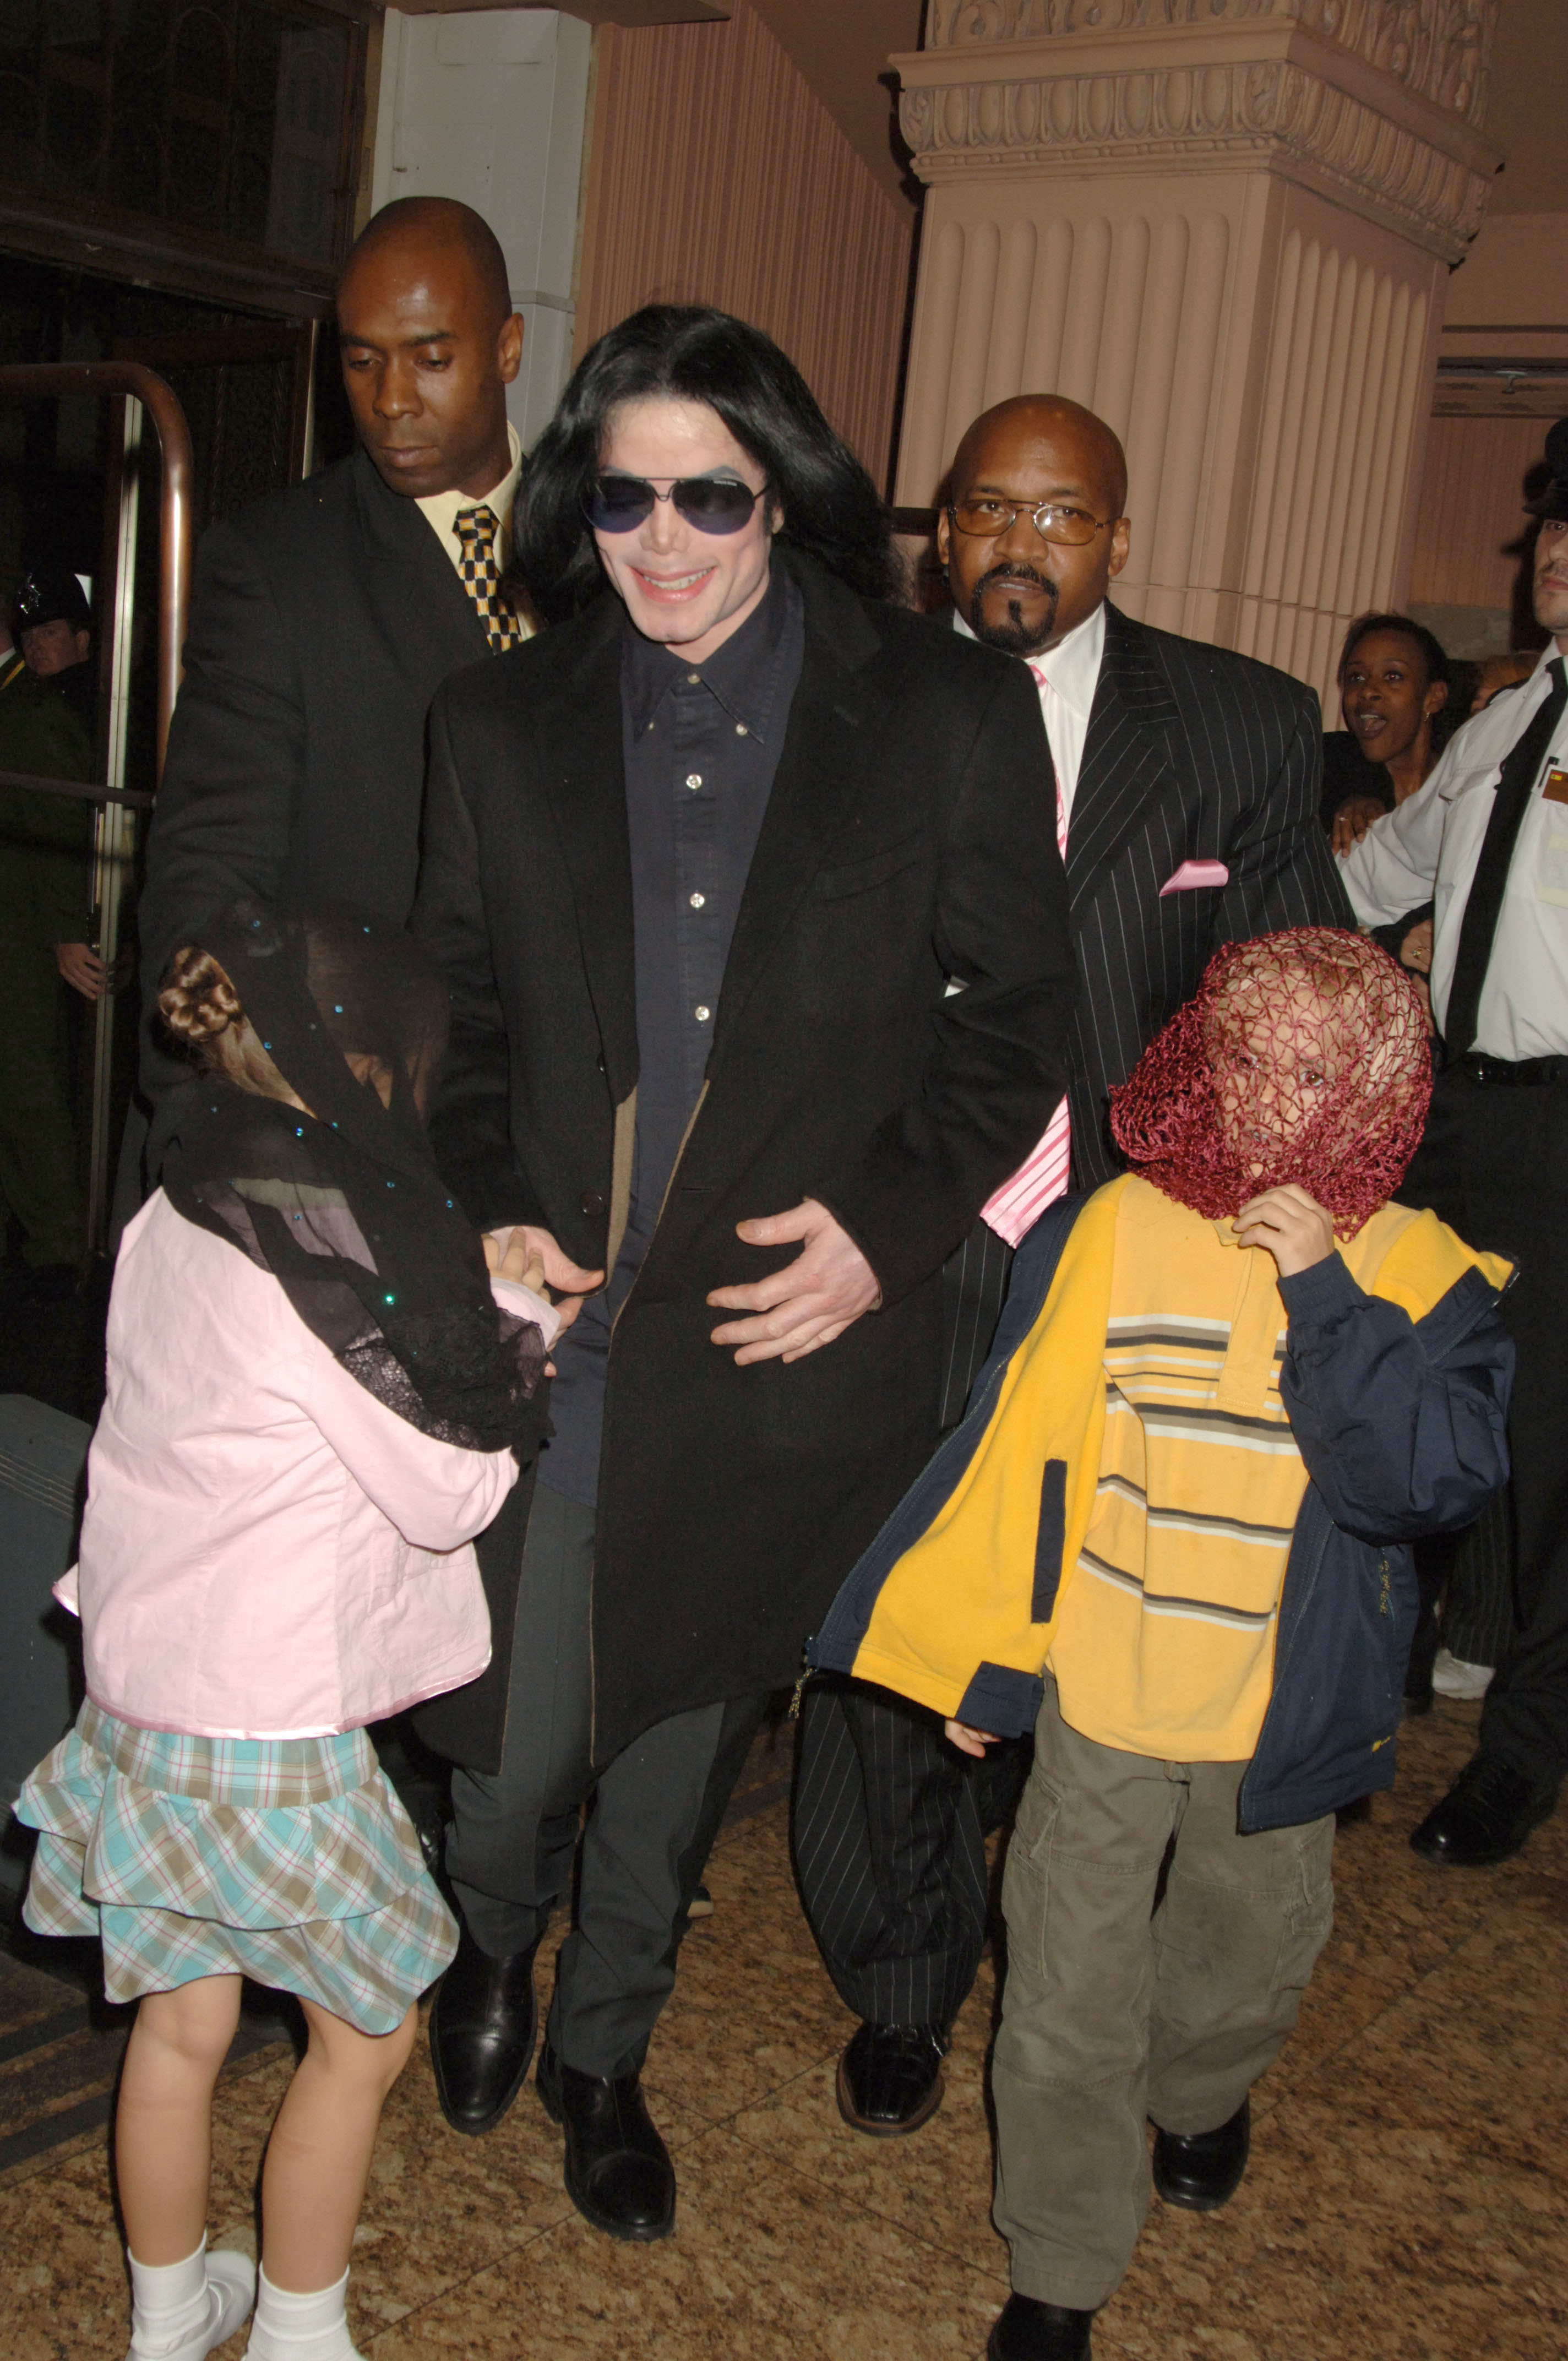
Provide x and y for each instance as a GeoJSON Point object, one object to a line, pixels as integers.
{"type": "Point", "coordinates": [180, 2310]}
{"type": "Point", "coordinates": [313, 2327]}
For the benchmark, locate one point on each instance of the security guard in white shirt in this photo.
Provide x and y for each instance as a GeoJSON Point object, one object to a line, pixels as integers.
{"type": "Point", "coordinates": [1486, 841]}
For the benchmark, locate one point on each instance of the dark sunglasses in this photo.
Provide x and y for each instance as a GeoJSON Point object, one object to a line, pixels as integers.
{"type": "Point", "coordinates": [712, 503]}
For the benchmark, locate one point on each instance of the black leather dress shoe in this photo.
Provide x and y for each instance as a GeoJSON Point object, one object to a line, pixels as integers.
{"type": "Point", "coordinates": [482, 2031]}
{"type": "Point", "coordinates": [1202, 2170]}
{"type": "Point", "coordinates": [619, 2174]}
{"type": "Point", "coordinates": [1028, 2330]}
{"type": "Point", "coordinates": [1485, 1815]}
{"type": "Point", "coordinates": [890, 2078]}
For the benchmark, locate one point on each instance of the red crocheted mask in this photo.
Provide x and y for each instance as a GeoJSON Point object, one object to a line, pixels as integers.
{"type": "Point", "coordinates": [1302, 1056]}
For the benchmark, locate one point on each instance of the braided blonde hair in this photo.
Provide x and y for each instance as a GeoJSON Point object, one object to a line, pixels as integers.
{"type": "Point", "coordinates": [197, 1002]}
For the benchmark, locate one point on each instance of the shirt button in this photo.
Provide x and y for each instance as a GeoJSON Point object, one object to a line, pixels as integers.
{"type": "Point", "coordinates": [740, 729]}
{"type": "Point", "coordinates": [701, 1014]}
{"type": "Point", "coordinates": [698, 900]}
{"type": "Point", "coordinates": [694, 678]}
{"type": "Point", "coordinates": [592, 1204]}
{"type": "Point", "coordinates": [694, 778]}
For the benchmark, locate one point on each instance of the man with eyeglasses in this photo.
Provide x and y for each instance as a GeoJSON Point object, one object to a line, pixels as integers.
{"type": "Point", "coordinates": [698, 864]}
{"type": "Point", "coordinates": [1185, 801]}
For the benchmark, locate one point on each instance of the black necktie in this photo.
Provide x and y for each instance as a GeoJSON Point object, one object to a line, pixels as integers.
{"type": "Point", "coordinates": [1483, 907]}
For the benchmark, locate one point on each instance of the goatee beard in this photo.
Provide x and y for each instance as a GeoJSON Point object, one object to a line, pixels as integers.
{"type": "Point", "coordinates": [1012, 636]}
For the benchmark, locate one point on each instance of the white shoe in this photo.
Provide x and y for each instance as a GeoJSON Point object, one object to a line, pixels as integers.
{"type": "Point", "coordinates": [231, 2294]}
{"type": "Point", "coordinates": [1452, 1677]}
{"type": "Point", "coordinates": [232, 2278]}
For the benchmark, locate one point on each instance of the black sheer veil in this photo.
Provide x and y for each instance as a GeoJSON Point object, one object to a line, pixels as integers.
{"type": "Point", "coordinates": [343, 1205]}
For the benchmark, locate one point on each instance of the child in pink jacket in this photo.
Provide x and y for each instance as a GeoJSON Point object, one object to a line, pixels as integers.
{"type": "Point", "coordinates": [313, 1404]}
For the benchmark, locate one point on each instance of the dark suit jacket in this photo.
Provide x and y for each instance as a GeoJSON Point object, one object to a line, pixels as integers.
{"type": "Point", "coordinates": [901, 847]}
{"type": "Point", "coordinates": [323, 621]}
{"type": "Point", "coordinates": [1193, 754]}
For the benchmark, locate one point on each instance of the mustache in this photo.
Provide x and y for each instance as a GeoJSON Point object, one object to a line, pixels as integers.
{"type": "Point", "coordinates": [1016, 574]}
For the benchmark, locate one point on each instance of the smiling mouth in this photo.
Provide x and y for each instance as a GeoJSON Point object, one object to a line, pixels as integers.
{"type": "Point", "coordinates": [672, 585]}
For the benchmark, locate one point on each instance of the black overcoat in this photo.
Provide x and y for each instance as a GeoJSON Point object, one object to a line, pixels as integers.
{"type": "Point", "coordinates": [323, 620]}
{"type": "Point", "coordinates": [902, 847]}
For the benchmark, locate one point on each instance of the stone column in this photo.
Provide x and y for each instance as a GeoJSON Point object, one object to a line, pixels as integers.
{"type": "Point", "coordinates": [1225, 226]}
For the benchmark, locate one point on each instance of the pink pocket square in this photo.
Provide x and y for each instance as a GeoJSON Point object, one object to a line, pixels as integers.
{"type": "Point", "coordinates": [1195, 872]}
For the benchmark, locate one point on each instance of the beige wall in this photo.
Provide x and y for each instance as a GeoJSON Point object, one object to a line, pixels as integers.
{"type": "Point", "coordinates": [1470, 511]}
{"type": "Point", "coordinates": [842, 48]}
{"type": "Point", "coordinates": [717, 176]}
{"type": "Point", "coordinates": [1527, 112]}
{"type": "Point", "coordinates": [1506, 308]}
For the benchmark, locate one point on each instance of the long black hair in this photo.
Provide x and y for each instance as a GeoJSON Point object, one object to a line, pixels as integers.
{"type": "Point", "coordinates": [689, 353]}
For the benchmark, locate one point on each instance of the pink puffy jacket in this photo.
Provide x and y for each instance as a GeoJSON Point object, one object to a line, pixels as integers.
{"type": "Point", "coordinates": [267, 1551]}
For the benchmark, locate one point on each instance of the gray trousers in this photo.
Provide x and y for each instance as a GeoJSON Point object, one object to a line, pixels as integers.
{"type": "Point", "coordinates": [655, 1812]}
{"type": "Point", "coordinates": [1116, 2010]}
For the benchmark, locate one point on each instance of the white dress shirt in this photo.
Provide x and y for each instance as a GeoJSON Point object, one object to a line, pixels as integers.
{"type": "Point", "coordinates": [1427, 848]}
{"type": "Point", "coordinates": [1067, 699]}
{"type": "Point", "coordinates": [441, 510]}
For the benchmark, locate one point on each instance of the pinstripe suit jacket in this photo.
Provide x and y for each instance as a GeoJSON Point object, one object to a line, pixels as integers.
{"type": "Point", "coordinates": [1193, 754]}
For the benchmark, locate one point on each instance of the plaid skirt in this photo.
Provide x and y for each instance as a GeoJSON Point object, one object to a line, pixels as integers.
{"type": "Point", "coordinates": [289, 1861]}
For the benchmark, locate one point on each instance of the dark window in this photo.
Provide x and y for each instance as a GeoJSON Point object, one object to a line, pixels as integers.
{"type": "Point", "coordinates": [232, 118]}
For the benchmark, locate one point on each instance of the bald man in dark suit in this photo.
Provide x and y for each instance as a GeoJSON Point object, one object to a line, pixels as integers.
{"type": "Point", "coordinates": [324, 619]}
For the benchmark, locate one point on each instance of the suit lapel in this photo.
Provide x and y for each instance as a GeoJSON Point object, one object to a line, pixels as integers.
{"type": "Point", "coordinates": [1128, 756]}
{"type": "Point", "coordinates": [576, 731]}
{"type": "Point", "coordinates": [828, 742]}
{"type": "Point", "coordinates": [412, 587]}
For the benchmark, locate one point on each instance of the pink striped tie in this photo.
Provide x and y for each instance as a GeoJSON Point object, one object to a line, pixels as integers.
{"type": "Point", "coordinates": [1043, 1176]}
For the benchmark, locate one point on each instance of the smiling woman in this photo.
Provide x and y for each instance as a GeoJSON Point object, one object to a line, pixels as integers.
{"type": "Point", "coordinates": [1395, 694]}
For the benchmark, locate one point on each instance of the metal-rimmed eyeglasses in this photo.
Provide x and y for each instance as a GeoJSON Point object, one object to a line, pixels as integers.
{"type": "Point", "coordinates": [616, 503]}
{"type": "Point", "coordinates": [987, 515]}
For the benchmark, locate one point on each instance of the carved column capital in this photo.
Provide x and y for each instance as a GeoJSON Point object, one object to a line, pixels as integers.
{"type": "Point", "coordinates": [1373, 104]}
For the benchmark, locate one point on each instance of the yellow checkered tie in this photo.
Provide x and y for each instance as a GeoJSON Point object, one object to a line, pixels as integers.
{"type": "Point", "coordinates": [477, 529]}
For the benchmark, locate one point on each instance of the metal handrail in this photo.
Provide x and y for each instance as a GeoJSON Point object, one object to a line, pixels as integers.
{"type": "Point", "coordinates": [34, 380]}
{"type": "Point", "coordinates": [86, 790]}
{"type": "Point", "coordinates": [140, 392]}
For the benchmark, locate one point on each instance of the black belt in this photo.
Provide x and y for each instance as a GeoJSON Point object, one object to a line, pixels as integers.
{"type": "Point", "coordinates": [1511, 1073]}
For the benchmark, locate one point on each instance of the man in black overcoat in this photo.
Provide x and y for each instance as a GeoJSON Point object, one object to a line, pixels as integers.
{"type": "Point", "coordinates": [1189, 778]}
{"type": "Point", "coordinates": [701, 864]}
{"type": "Point", "coordinates": [324, 619]}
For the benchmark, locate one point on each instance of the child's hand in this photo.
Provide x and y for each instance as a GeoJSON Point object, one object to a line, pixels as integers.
{"type": "Point", "coordinates": [516, 1262]}
{"type": "Point", "coordinates": [968, 1741]}
{"type": "Point", "coordinates": [1291, 1224]}
{"type": "Point", "coordinates": [570, 1282]}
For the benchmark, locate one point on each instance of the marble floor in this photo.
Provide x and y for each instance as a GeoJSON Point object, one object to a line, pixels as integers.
{"type": "Point", "coordinates": [1407, 2195]}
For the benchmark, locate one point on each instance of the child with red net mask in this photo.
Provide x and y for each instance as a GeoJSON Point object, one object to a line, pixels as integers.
{"type": "Point", "coordinates": [1172, 1536]}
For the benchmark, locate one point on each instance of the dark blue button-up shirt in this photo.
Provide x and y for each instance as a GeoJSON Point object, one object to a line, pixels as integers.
{"type": "Point", "coordinates": [701, 745]}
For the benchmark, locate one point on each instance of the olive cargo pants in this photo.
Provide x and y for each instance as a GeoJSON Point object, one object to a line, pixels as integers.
{"type": "Point", "coordinates": [1115, 2009]}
